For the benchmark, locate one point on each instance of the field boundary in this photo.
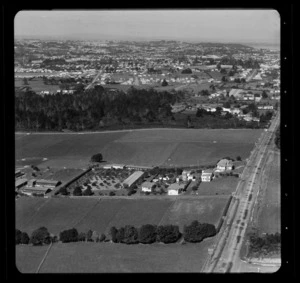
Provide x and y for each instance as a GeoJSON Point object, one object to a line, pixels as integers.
{"type": "Point", "coordinates": [44, 258]}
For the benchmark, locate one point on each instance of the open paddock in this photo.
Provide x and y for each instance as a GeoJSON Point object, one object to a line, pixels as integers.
{"type": "Point", "coordinates": [29, 257]}
{"type": "Point", "coordinates": [205, 210]}
{"type": "Point", "coordinates": [218, 186]}
{"type": "Point", "coordinates": [144, 147]}
{"type": "Point", "coordinates": [114, 258]}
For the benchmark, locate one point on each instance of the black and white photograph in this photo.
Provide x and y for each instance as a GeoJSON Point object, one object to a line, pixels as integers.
{"type": "Point", "coordinates": [147, 141]}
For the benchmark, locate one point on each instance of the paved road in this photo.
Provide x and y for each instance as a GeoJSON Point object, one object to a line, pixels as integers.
{"type": "Point", "coordinates": [95, 79]}
{"type": "Point", "coordinates": [225, 257]}
{"type": "Point", "coordinates": [251, 76]}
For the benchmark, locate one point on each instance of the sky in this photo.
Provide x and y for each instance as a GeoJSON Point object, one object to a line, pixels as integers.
{"type": "Point", "coordinates": [239, 26]}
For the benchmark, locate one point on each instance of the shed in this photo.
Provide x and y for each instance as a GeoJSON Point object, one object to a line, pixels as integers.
{"type": "Point", "coordinates": [133, 178]}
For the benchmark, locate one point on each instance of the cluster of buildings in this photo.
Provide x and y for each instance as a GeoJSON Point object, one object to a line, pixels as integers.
{"type": "Point", "coordinates": [33, 186]}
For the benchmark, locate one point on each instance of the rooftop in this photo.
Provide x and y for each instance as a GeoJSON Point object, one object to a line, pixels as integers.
{"type": "Point", "coordinates": [133, 177]}
{"type": "Point", "coordinates": [224, 162]}
{"type": "Point", "coordinates": [20, 182]}
{"type": "Point", "coordinates": [176, 186]}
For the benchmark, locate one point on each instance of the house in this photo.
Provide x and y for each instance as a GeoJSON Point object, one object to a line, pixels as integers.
{"type": "Point", "coordinates": [207, 175]}
{"type": "Point", "coordinates": [147, 186]}
{"type": "Point", "coordinates": [133, 178]}
{"type": "Point", "coordinates": [18, 173]}
{"type": "Point", "coordinates": [185, 175]}
{"type": "Point", "coordinates": [35, 190]}
{"type": "Point", "coordinates": [20, 183]}
{"type": "Point", "coordinates": [224, 164]}
{"type": "Point", "coordinates": [175, 189]}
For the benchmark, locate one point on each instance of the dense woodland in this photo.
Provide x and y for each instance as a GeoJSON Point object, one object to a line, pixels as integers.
{"type": "Point", "coordinates": [92, 109]}
{"type": "Point", "coordinates": [101, 108]}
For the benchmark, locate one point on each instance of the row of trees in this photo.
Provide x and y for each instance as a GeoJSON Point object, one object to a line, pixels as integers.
{"type": "Point", "coordinates": [38, 237]}
{"type": "Point", "coordinates": [146, 234]}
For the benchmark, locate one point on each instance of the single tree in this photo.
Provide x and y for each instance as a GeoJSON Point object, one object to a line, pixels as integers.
{"type": "Point", "coordinates": [168, 234]}
{"type": "Point", "coordinates": [18, 236]}
{"type": "Point", "coordinates": [164, 83]}
{"type": "Point", "coordinates": [102, 237]}
{"type": "Point", "coordinates": [77, 191]}
{"type": "Point", "coordinates": [40, 236]}
{"type": "Point", "coordinates": [113, 234]}
{"type": "Point", "coordinates": [97, 157]}
{"type": "Point", "coordinates": [24, 238]}
{"type": "Point", "coordinates": [147, 234]}
{"type": "Point", "coordinates": [89, 235]}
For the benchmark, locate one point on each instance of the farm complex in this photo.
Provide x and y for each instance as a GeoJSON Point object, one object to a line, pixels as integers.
{"type": "Point", "coordinates": [127, 189]}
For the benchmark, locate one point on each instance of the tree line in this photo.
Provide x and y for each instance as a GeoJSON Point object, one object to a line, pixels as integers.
{"type": "Point", "coordinates": [92, 109]}
{"type": "Point", "coordinates": [129, 234]}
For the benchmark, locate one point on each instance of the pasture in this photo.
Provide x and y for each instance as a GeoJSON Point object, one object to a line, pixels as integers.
{"type": "Point", "coordinates": [113, 258]}
{"type": "Point", "coordinates": [219, 186]}
{"type": "Point", "coordinates": [97, 214]}
{"type": "Point", "coordinates": [28, 257]}
{"type": "Point", "coordinates": [37, 85]}
{"type": "Point", "coordinates": [205, 210]}
{"type": "Point", "coordinates": [148, 147]}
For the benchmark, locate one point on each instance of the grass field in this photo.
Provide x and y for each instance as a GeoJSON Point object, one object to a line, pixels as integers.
{"type": "Point", "coordinates": [58, 214]}
{"type": "Point", "coordinates": [208, 210]}
{"type": "Point", "coordinates": [145, 147]}
{"type": "Point", "coordinates": [269, 218]}
{"type": "Point", "coordinates": [28, 257]}
{"type": "Point", "coordinates": [37, 85]}
{"type": "Point", "coordinates": [111, 258]}
{"type": "Point", "coordinates": [219, 186]}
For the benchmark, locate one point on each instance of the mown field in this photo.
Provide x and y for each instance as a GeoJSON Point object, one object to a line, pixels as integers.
{"type": "Point", "coordinates": [208, 210]}
{"type": "Point", "coordinates": [152, 147]}
{"type": "Point", "coordinates": [269, 220]}
{"type": "Point", "coordinates": [219, 186]}
{"type": "Point", "coordinates": [111, 258]}
{"type": "Point", "coordinates": [58, 214]}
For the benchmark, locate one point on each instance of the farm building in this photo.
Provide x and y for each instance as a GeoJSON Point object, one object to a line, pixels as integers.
{"type": "Point", "coordinates": [31, 183]}
{"type": "Point", "coordinates": [175, 189]}
{"type": "Point", "coordinates": [147, 186]}
{"type": "Point", "coordinates": [207, 175]}
{"type": "Point", "coordinates": [133, 178]}
{"type": "Point", "coordinates": [138, 167]}
{"type": "Point", "coordinates": [224, 164]}
{"type": "Point", "coordinates": [114, 166]}
{"type": "Point", "coordinates": [47, 183]}
{"type": "Point", "coordinates": [18, 173]}
{"type": "Point", "coordinates": [35, 190]}
{"type": "Point", "coordinates": [20, 183]}
{"type": "Point", "coordinates": [186, 174]}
